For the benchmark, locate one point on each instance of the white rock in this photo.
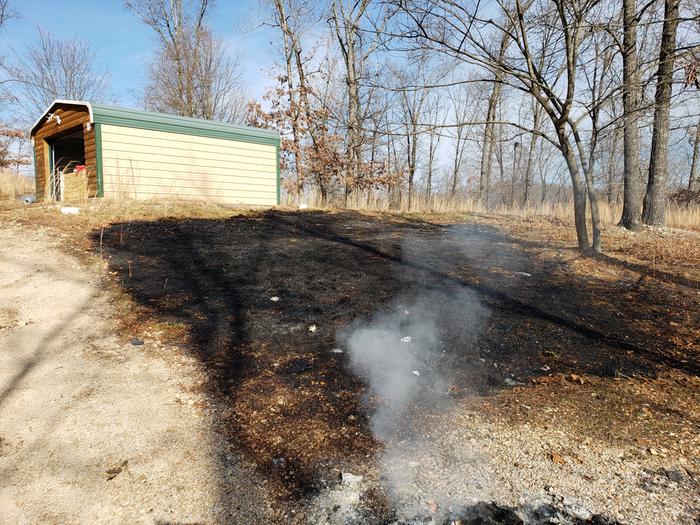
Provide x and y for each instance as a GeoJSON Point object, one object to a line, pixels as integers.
{"type": "Point", "coordinates": [351, 479]}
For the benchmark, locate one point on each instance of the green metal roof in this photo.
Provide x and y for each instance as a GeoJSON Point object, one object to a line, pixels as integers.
{"type": "Point", "coordinates": [134, 118]}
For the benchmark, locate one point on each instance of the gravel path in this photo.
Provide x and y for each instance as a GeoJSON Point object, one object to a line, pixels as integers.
{"type": "Point", "coordinates": [95, 430]}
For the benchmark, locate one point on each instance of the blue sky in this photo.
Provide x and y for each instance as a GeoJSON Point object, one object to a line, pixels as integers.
{"type": "Point", "coordinates": [123, 45]}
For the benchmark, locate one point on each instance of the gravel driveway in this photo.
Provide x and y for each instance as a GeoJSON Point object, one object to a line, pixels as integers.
{"type": "Point", "coordinates": [93, 429]}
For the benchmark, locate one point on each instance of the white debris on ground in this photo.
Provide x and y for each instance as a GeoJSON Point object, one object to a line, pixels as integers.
{"type": "Point", "coordinates": [406, 339]}
{"type": "Point", "coordinates": [340, 504]}
{"type": "Point", "coordinates": [312, 328]}
{"type": "Point", "coordinates": [274, 299]}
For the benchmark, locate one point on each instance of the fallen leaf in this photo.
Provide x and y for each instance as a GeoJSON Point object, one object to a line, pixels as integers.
{"type": "Point", "coordinates": [557, 458]}
{"type": "Point", "coordinates": [575, 378]}
{"type": "Point", "coordinates": [115, 471]}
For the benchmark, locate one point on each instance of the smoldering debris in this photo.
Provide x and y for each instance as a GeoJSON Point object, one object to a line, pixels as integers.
{"type": "Point", "coordinates": [399, 354]}
{"type": "Point", "coordinates": [491, 513]}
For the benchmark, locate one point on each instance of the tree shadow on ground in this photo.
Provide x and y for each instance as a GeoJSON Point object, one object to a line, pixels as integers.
{"type": "Point", "coordinates": [263, 296]}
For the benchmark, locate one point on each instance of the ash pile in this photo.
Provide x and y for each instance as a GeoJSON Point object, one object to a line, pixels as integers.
{"type": "Point", "coordinates": [490, 513]}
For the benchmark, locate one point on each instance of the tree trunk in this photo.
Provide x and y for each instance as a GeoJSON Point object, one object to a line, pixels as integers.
{"type": "Point", "coordinates": [514, 175]}
{"type": "Point", "coordinates": [579, 191]}
{"type": "Point", "coordinates": [455, 164]}
{"type": "Point", "coordinates": [655, 199]}
{"type": "Point", "coordinates": [431, 159]}
{"type": "Point", "coordinates": [353, 124]}
{"type": "Point", "coordinates": [694, 177]}
{"type": "Point", "coordinates": [487, 150]}
{"type": "Point", "coordinates": [587, 166]}
{"type": "Point", "coordinates": [347, 33]}
{"type": "Point", "coordinates": [411, 144]}
{"type": "Point", "coordinates": [489, 128]}
{"type": "Point", "coordinates": [631, 97]}
{"type": "Point", "coordinates": [531, 158]}
{"type": "Point", "coordinates": [289, 50]}
{"type": "Point", "coordinates": [595, 213]}
{"type": "Point", "coordinates": [612, 159]}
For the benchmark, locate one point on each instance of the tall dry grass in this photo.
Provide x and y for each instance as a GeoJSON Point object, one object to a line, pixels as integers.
{"type": "Point", "coordinates": [677, 216]}
{"type": "Point", "coordinates": [13, 184]}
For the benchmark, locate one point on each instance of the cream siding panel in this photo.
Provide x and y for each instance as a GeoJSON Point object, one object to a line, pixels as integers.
{"type": "Point", "coordinates": [145, 164]}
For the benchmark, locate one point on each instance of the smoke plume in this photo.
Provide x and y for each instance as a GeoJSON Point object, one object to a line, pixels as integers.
{"type": "Point", "coordinates": [403, 353]}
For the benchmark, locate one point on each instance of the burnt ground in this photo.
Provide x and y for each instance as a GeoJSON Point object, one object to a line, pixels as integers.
{"type": "Point", "coordinates": [615, 357]}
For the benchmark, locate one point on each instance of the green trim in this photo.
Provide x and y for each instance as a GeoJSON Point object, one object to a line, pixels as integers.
{"type": "Point", "coordinates": [98, 159]}
{"type": "Point", "coordinates": [133, 118]}
{"type": "Point", "coordinates": [36, 179]}
{"type": "Point", "coordinates": [277, 154]}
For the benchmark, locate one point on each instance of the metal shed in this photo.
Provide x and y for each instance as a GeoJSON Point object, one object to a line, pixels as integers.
{"type": "Point", "coordinates": [101, 151]}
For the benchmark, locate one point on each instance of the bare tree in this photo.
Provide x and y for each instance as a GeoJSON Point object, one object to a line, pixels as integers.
{"type": "Point", "coordinates": [461, 30]}
{"type": "Point", "coordinates": [655, 198]}
{"type": "Point", "coordinates": [291, 51]}
{"type": "Point", "coordinates": [631, 102]}
{"type": "Point", "coordinates": [345, 19]}
{"type": "Point", "coordinates": [611, 170]}
{"type": "Point", "coordinates": [5, 12]}
{"type": "Point", "coordinates": [489, 143]}
{"type": "Point", "coordinates": [293, 18]}
{"type": "Point", "coordinates": [414, 98]}
{"type": "Point", "coordinates": [464, 107]}
{"type": "Point", "coordinates": [55, 68]}
{"type": "Point", "coordinates": [192, 73]}
{"type": "Point", "coordinates": [694, 175]}
{"type": "Point", "coordinates": [214, 89]}
{"type": "Point", "coordinates": [437, 117]}
{"type": "Point", "coordinates": [537, 115]}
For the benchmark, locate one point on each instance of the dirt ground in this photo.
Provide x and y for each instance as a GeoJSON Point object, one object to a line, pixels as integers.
{"type": "Point", "coordinates": [95, 430]}
{"type": "Point", "coordinates": [562, 386]}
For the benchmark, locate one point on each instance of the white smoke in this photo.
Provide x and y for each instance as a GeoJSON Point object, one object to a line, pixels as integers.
{"type": "Point", "coordinates": [403, 353]}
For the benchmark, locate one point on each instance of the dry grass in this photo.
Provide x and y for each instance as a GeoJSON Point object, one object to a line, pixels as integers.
{"type": "Point", "coordinates": [686, 217]}
{"type": "Point", "coordinates": [13, 184]}
{"type": "Point", "coordinates": [104, 211]}
{"type": "Point", "coordinates": [97, 214]}
{"type": "Point", "coordinates": [670, 250]}
{"type": "Point", "coordinates": [654, 252]}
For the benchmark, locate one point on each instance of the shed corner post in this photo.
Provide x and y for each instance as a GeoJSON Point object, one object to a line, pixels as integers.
{"type": "Point", "coordinates": [98, 159]}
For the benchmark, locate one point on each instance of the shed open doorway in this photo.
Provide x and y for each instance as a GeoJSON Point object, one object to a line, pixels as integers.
{"type": "Point", "coordinates": [67, 160]}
